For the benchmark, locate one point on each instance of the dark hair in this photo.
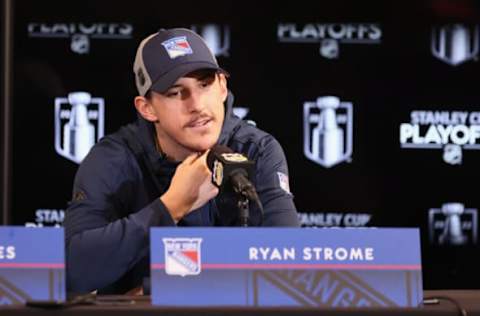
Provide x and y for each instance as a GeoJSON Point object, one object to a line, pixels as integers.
{"type": "Point", "coordinates": [208, 72]}
{"type": "Point", "coordinates": [148, 95]}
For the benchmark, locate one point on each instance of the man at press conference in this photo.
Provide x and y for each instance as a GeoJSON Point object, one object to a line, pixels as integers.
{"type": "Point", "coordinates": [154, 172]}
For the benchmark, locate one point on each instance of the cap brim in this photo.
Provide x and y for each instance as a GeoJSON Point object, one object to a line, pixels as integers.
{"type": "Point", "coordinates": [167, 80]}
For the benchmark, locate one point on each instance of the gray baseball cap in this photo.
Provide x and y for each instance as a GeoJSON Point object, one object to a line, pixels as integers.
{"type": "Point", "coordinates": [162, 58]}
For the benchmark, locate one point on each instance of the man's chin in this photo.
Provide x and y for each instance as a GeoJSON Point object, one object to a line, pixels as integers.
{"type": "Point", "coordinates": [203, 145]}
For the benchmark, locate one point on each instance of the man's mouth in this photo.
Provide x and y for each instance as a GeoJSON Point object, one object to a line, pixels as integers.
{"type": "Point", "coordinates": [200, 122]}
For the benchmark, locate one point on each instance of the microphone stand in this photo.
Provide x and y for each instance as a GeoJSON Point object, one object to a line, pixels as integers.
{"type": "Point", "coordinates": [246, 193]}
{"type": "Point", "coordinates": [244, 211]}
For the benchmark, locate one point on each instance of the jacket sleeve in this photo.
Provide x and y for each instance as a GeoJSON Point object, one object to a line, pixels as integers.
{"type": "Point", "coordinates": [273, 186]}
{"type": "Point", "coordinates": [100, 245]}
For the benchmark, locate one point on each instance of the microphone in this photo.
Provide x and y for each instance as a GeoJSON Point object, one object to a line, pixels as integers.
{"type": "Point", "coordinates": [230, 169]}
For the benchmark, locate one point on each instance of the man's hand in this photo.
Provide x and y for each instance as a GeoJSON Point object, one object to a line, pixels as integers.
{"type": "Point", "coordinates": [191, 187]}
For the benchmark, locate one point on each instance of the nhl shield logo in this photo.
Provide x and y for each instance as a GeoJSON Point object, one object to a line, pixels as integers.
{"type": "Point", "coordinates": [79, 123]}
{"type": "Point", "coordinates": [328, 131]}
{"type": "Point", "coordinates": [182, 256]}
{"type": "Point", "coordinates": [455, 43]}
{"type": "Point", "coordinates": [80, 44]}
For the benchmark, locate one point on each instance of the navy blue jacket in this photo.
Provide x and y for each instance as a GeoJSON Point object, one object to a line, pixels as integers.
{"type": "Point", "coordinates": [116, 201]}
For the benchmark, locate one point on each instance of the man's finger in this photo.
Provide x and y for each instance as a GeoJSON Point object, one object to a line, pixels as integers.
{"type": "Point", "coordinates": [190, 159]}
{"type": "Point", "coordinates": [203, 157]}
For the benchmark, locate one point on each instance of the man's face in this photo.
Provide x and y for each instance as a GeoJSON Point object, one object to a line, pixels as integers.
{"type": "Point", "coordinates": [189, 115]}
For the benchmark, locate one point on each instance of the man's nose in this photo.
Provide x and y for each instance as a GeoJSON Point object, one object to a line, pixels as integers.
{"type": "Point", "coordinates": [196, 101]}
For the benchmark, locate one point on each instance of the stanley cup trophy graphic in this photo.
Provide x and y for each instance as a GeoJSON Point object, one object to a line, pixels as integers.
{"type": "Point", "coordinates": [212, 34]}
{"type": "Point", "coordinates": [325, 142]}
{"type": "Point", "coordinates": [453, 224]}
{"type": "Point", "coordinates": [455, 44]}
{"type": "Point", "coordinates": [74, 131]}
{"type": "Point", "coordinates": [452, 232]}
{"type": "Point", "coordinates": [78, 133]}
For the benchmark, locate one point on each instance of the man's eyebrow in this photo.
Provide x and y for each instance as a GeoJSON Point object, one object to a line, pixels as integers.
{"type": "Point", "coordinates": [205, 75]}
{"type": "Point", "coordinates": [208, 78]}
{"type": "Point", "coordinates": [201, 77]}
{"type": "Point", "coordinates": [177, 85]}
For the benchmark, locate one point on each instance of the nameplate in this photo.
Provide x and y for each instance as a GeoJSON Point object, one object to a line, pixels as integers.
{"type": "Point", "coordinates": [285, 267]}
{"type": "Point", "coordinates": [32, 265]}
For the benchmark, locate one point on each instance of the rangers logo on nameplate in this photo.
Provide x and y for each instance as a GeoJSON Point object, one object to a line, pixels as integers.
{"type": "Point", "coordinates": [182, 256]}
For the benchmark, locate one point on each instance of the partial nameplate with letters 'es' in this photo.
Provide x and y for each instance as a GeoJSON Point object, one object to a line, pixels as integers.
{"type": "Point", "coordinates": [32, 265]}
{"type": "Point", "coordinates": [286, 267]}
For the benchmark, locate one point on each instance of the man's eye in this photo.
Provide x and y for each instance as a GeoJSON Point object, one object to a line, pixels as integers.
{"type": "Point", "coordinates": [205, 83]}
{"type": "Point", "coordinates": [173, 94]}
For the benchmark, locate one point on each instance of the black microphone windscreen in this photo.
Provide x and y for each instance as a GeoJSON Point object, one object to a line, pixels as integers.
{"type": "Point", "coordinates": [215, 152]}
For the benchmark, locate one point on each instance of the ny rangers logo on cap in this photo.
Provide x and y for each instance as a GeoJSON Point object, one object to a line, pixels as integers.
{"type": "Point", "coordinates": [177, 46]}
{"type": "Point", "coordinates": [182, 256]}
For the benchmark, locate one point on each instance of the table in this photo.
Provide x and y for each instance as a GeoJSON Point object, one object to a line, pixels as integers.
{"type": "Point", "coordinates": [440, 303]}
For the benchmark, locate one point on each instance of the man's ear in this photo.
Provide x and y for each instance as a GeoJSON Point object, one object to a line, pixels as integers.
{"type": "Point", "coordinates": [222, 80]}
{"type": "Point", "coordinates": [144, 107]}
